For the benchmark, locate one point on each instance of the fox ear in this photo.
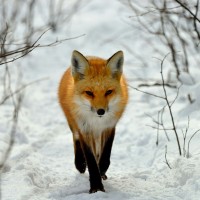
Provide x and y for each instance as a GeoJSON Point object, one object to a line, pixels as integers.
{"type": "Point", "coordinates": [115, 63]}
{"type": "Point", "coordinates": [79, 64]}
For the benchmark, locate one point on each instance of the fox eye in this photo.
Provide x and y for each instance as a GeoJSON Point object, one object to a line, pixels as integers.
{"type": "Point", "coordinates": [108, 92]}
{"type": "Point", "coordinates": [89, 93]}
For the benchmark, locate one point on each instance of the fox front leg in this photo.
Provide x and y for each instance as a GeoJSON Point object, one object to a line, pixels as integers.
{"type": "Point", "coordinates": [105, 156]}
{"type": "Point", "coordinates": [95, 177]}
{"type": "Point", "coordinates": [80, 161]}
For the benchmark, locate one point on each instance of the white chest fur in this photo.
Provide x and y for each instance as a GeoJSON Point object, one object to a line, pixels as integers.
{"type": "Point", "coordinates": [96, 125]}
{"type": "Point", "coordinates": [90, 122]}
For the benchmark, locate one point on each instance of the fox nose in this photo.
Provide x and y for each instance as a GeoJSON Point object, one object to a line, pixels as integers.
{"type": "Point", "coordinates": [100, 111]}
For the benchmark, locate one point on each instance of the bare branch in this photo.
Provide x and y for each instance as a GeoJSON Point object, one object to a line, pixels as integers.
{"type": "Point", "coordinates": [177, 93]}
{"type": "Point", "coordinates": [163, 125]}
{"type": "Point", "coordinates": [166, 161]}
{"type": "Point", "coordinates": [195, 22]}
{"type": "Point", "coordinates": [156, 85]}
{"type": "Point", "coordinates": [161, 129]}
{"type": "Point", "coordinates": [169, 106]}
{"type": "Point", "coordinates": [185, 136]}
{"type": "Point", "coordinates": [13, 130]}
{"type": "Point", "coordinates": [12, 136]}
{"type": "Point", "coordinates": [157, 141]}
{"type": "Point", "coordinates": [20, 89]}
{"type": "Point", "coordinates": [23, 51]}
{"type": "Point", "coordinates": [27, 51]}
{"type": "Point", "coordinates": [186, 8]}
{"type": "Point", "coordinates": [188, 149]}
{"type": "Point", "coordinates": [148, 93]}
{"type": "Point", "coordinates": [57, 42]}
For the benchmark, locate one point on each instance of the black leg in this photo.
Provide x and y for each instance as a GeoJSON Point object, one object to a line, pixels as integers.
{"type": "Point", "coordinates": [95, 177]}
{"type": "Point", "coordinates": [80, 161]}
{"type": "Point", "coordinates": [105, 156]}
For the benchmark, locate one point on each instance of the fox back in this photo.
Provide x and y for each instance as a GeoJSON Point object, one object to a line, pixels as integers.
{"type": "Point", "coordinates": [93, 95]}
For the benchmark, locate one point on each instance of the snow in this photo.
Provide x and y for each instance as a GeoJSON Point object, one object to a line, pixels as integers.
{"type": "Point", "coordinates": [41, 164]}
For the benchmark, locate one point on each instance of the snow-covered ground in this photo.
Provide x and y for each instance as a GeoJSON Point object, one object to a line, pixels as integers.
{"type": "Point", "coordinates": [41, 164]}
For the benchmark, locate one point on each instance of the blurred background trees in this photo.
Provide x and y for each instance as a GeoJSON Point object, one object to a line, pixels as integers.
{"type": "Point", "coordinates": [169, 26]}
{"type": "Point", "coordinates": [170, 31]}
{"type": "Point", "coordinates": [23, 25]}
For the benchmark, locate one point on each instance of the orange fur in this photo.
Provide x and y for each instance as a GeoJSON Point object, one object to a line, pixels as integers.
{"type": "Point", "coordinates": [98, 79]}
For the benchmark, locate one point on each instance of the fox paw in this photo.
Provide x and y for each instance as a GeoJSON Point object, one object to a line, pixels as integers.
{"type": "Point", "coordinates": [96, 190]}
{"type": "Point", "coordinates": [104, 177]}
{"type": "Point", "coordinates": [80, 165]}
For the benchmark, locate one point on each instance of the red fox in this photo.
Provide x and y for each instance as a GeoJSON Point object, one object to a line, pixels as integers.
{"type": "Point", "coordinates": [93, 95]}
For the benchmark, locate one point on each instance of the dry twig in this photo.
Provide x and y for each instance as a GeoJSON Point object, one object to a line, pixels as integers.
{"type": "Point", "coordinates": [188, 149]}
{"type": "Point", "coordinates": [166, 161]}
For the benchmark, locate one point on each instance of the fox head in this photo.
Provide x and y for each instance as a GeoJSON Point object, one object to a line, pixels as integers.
{"type": "Point", "coordinates": [97, 84]}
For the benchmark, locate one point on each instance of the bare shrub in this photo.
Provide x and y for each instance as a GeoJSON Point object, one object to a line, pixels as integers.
{"type": "Point", "coordinates": [169, 26]}
{"type": "Point", "coordinates": [22, 26]}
